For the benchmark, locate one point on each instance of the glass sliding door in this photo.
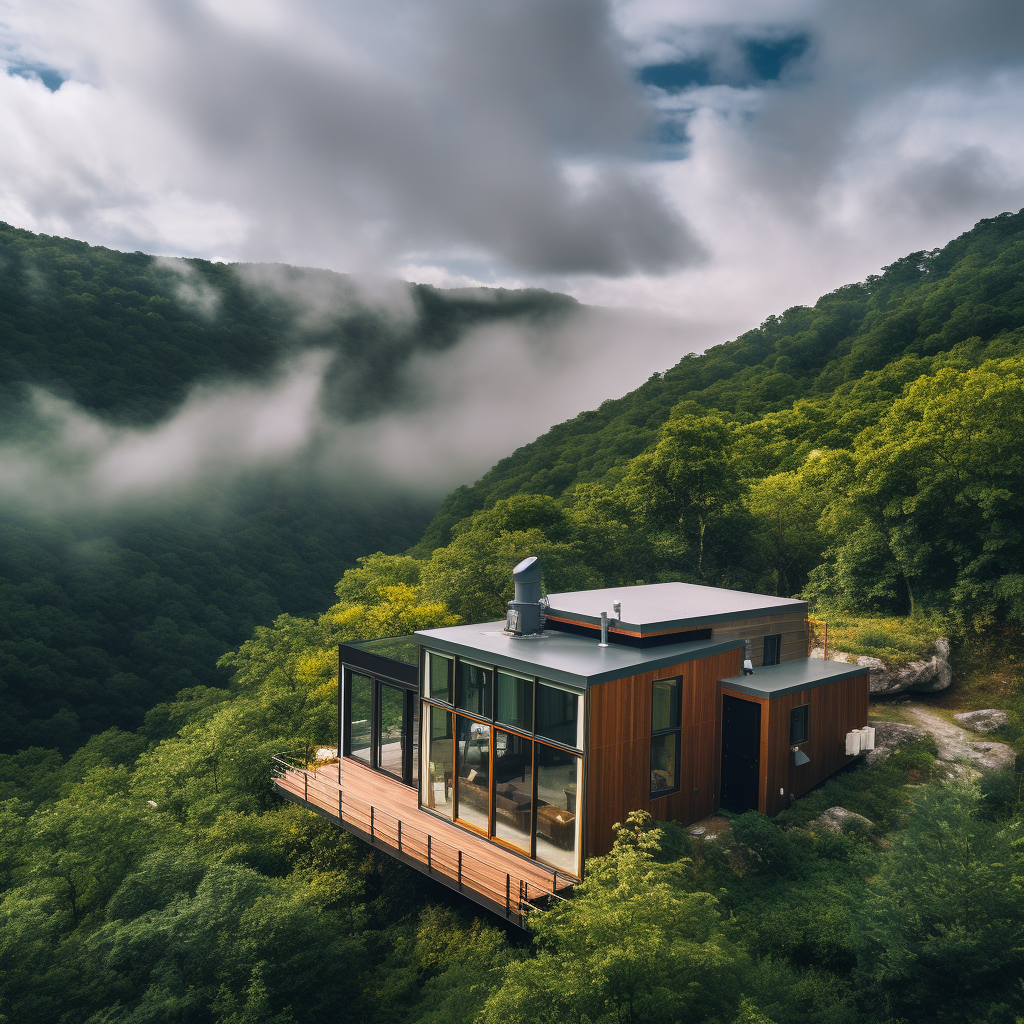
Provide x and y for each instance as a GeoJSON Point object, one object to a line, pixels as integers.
{"type": "Point", "coordinates": [513, 789]}
{"type": "Point", "coordinates": [360, 715]}
{"type": "Point", "coordinates": [473, 772]}
{"type": "Point", "coordinates": [437, 778]}
{"type": "Point", "coordinates": [559, 782]}
{"type": "Point", "coordinates": [391, 730]}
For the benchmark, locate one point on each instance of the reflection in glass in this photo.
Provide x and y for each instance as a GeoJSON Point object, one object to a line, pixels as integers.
{"type": "Point", "coordinates": [436, 779]}
{"type": "Point", "coordinates": [513, 789]}
{"type": "Point", "coordinates": [474, 690]}
{"type": "Point", "coordinates": [439, 677]}
{"type": "Point", "coordinates": [391, 751]}
{"type": "Point", "coordinates": [558, 715]}
{"type": "Point", "coordinates": [664, 762]}
{"type": "Point", "coordinates": [558, 787]}
{"type": "Point", "coordinates": [473, 746]}
{"type": "Point", "coordinates": [513, 703]}
{"type": "Point", "coordinates": [360, 701]}
{"type": "Point", "coordinates": [665, 705]}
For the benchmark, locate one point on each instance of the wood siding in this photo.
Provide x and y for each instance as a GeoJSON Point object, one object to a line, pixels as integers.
{"type": "Point", "coordinates": [792, 626]}
{"type": "Point", "coordinates": [835, 709]}
{"type": "Point", "coordinates": [619, 748]}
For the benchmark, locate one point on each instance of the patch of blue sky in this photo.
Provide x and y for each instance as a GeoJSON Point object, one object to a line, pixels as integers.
{"type": "Point", "coordinates": [50, 77]}
{"type": "Point", "coordinates": [764, 60]}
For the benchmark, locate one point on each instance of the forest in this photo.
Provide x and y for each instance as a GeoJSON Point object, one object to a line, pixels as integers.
{"type": "Point", "coordinates": [867, 453]}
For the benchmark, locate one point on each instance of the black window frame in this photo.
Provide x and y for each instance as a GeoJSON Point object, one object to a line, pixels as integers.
{"type": "Point", "coordinates": [772, 642]}
{"type": "Point", "coordinates": [410, 723]}
{"type": "Point", "coordinates": [794, 738]}
{"type": "Point", "coordinates": [676, 730]}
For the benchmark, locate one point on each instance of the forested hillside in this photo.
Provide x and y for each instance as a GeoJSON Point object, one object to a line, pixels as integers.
{"type": "Point", "coordinates": [152, 877]}
{"type": "Point", "coordinates": [816, 366]}
{"type": "Point", "coordinates": [107, 609]}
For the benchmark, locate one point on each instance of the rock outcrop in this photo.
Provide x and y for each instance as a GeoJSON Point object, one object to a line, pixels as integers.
{"type": "Point", "coordinates": [889, 737]}
{"type": "Point", "coordinates": [839, 819]}
{"type": "Point", "coordinates": [884, 680]}
{"type": "Point", "coordinates": [986, 720]}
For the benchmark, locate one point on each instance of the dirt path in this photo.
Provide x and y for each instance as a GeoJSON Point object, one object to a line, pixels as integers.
{"type": "Point", "coordinates": [955, 747]}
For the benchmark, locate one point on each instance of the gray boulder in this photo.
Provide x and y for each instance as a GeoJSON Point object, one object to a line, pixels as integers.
{"type": "Point", "coordinates": [889, 737]}
{"type": "Point", "coordinates": [839, 819]}
{"type": "Point", "coordinates": [991, 757]}
{"type": "Point", "coordinates": [884, 680]}
{"type": "Point", "coordinates": [986, 720]}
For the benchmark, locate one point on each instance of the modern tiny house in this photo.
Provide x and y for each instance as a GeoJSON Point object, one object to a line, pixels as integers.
{"type": "Point", "coordinates": [498, 756]}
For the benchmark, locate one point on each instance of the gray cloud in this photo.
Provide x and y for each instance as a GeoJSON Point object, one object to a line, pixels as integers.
{"type": "Point", "coordinates": [486, 142]}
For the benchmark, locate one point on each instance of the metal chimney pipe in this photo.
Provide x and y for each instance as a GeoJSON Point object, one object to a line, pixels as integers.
{"type": "Point", "coordinates": [604, 630]}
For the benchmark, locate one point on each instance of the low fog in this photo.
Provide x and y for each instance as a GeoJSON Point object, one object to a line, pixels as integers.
{"type": "Point", "coordinates": [499, 387]}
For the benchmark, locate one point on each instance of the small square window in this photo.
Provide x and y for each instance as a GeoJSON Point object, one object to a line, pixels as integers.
{"type": "Point", "coordinates": [799, 719]}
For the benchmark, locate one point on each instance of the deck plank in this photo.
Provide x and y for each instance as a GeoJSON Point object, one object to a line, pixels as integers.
{"type": "Point", "coordinates": [487, 868]}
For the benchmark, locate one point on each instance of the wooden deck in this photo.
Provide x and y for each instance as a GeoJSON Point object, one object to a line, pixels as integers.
{"type": "Point", "coordinates": [384, 813]}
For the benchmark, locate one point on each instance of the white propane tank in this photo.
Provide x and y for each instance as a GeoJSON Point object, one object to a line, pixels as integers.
{"type": "Point", "coordinates": [869, 737]}
{"type": "Point", "coordinates": [853, 741]}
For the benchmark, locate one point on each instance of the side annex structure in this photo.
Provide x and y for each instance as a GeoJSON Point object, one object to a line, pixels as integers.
{"type": "Point", "coordinates": [496, 757]}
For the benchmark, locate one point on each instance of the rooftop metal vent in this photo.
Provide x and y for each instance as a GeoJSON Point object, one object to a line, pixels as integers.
{"type": "Point", "coordinates": [526, 610]}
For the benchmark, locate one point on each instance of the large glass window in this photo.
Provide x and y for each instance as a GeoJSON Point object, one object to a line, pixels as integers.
{"type": "Point", "coordinates": [513, 703]}
{"type": "Point", "coordinates": [513, 789]}
{"type": "Point", "coordinates": [473, 749]}
{"type": "Point", "coordinates": [391, 737]}
{"type": "Point", "coordinates": [437, 779]}
{"type": "Point", "coordinates": [360, 690]}
{"type": "Point", "coordinates": [438, 682]}
{"type": "Point", "coordinates": [474, 689]}
{"type": "Point", "coordinates": [559, 716]}
{"type": "Point", "coordinates": [772, 650]}
{"type": "Point", "coordinates": [665, 736]}
{"type": "Point", "coordinates": [559, 783]}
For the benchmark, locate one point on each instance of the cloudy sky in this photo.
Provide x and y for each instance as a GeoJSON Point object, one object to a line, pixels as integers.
{"type": "Point", "coordinates": [710, 160]}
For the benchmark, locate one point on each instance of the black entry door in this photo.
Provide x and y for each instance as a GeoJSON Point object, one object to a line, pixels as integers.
{"type": "Point", "coordinates": [741, 753]}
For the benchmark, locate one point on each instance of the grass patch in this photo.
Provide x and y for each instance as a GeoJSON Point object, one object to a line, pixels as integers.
{"type": "Point", "coordinates": [878, 792]}
{"type": "Point", "coordinates": [896, 641]}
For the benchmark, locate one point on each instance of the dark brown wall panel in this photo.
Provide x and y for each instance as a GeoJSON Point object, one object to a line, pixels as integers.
{"type": "Point", "coordinates": [835, 709]}
{"type": "Point", "coordinates": [619, 748]}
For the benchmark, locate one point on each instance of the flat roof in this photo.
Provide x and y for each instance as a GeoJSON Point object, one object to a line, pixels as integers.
{"type": "Point", "coordinates": [667, 607]}
{"type": "Point", "coordinates": [792, 676]}
{"type": "Point", "coordinates": [564, 657]}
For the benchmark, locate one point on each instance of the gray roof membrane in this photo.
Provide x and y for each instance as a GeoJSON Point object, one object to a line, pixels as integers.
{"type": "Point", "coordinates": [792, 676]}
{"type": "Point", "coordinates": [666, 607]}
{"type": "Point", "coordinates": [564, 657]}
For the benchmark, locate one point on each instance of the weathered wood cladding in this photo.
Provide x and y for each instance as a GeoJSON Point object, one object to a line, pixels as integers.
{"type": "Point", "coordinates": [791, 625]}
{"type": "Point", "coordinates": [835, 709]}
{"type": "Point", "coordinates": [619, 748]}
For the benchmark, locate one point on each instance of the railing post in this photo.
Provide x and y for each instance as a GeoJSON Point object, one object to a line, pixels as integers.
{"type": "Point", "coordinates": [399, 835]}
{"type": "Point", "coordinates": [305, 786]}
{"type": "Point", "coordinates": [371, 823]}
{"type": "Point", "coordinates": [430, 869]}
{"type": "Point", "coordinates": [554, 881]}
{"type": "Point", "coordinates": [508, 895]}
{"type": "Point", "coordinates": [460, 871]}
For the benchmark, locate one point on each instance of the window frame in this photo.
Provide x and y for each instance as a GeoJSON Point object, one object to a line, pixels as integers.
{"type": "Point", "coordinates": [495, 725]}
{"type": "Point", "coordinates": [806, 709]}
{"type": "Point", "coordinates": [673, 730]}
{"type": "Point", "coordinates": [776, 642]}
